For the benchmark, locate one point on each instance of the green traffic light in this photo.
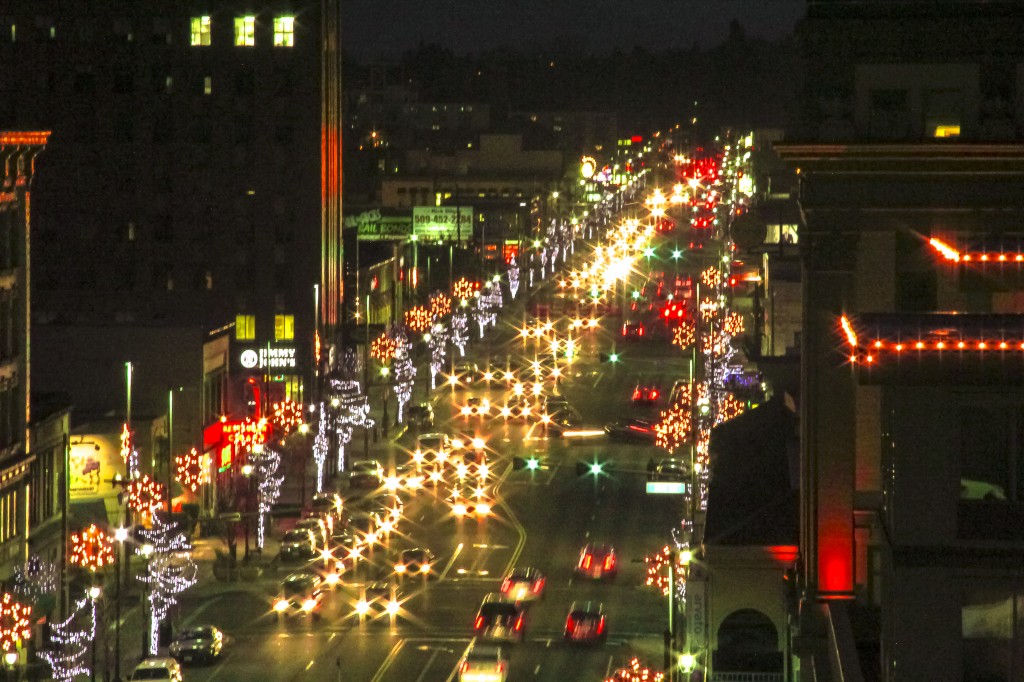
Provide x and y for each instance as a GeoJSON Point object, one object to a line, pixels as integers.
{"type": "Point", "coordinates": [636, 295]}
{"type": "Point", "coordinates": [648, 252]}
{"type": "Point", "coordinates": [595, 468]}
{"type": "Point", "coordinates": [532, 464]}
{"type": "Point", "coordinates": [677, 254]}
{"type": "Point", "coordinates": [614, 357]}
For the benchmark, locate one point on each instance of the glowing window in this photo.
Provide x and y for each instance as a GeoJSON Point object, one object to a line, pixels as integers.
{"type": "Point", "coordinates": [947, 131]}
{"type": "Point", "coordinates": [245, 327]}
{"type": "Point", "coordinates": [200, 31]}
{"type": "Point", "coordinates": [284, 327]}
{"type": "Point", "coordinates": [284, 31]}
{"type": "Point", "coordinates": [207, 85]}
{"type": "Point", "coordinates": [245, 31]}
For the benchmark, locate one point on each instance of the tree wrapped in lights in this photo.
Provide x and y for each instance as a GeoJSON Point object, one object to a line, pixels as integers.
{"type": "Point", "coordinates": [438, 347]}
{"type": "Point", "coordinates": [417, 319]}
{"type": "Point", "coordinates": [69, 642]}
{"type": "Point", "coordinates": [169, 572]}
{"type": "Point", "coordinates": [684, 335]}
{"type": "Point", "coordinates": [460, 331]}
{"type": "Point", "coordinates": [191, 469]}
{"type": "Point", "coordinates": [733, 324]}
{"type": "Point", "coordinates": [129, 455]}
{"type": "Point", "coordinates": [349, 408]}
{"type": "Point", "coordinates": [405, 374]}
{"type": "Point", "coordinates": [266, 466]}
{"type": "Point", "coordinates": [36, 578]}
{"type": "Point", "coordinates": [440, 304]}
{"type": "Point", "coordinates": [321, 444]}
{"type": "Point", "coordinates": [91, 548]}
{"type": "Point", "coordinates": [144, 495]}
{"type": "Point", "coordinates": [383, 348]}
{"type": "Point", "coordinates": [711, 277]}
{"type": "Point", "coordinates": [674, 428]}
{"type": "Point", "coordinates": [15, 622]}
{"type": "Point", "coordinates": [287, 415]}
{"type": "Point", "coordinates": [513, 278]}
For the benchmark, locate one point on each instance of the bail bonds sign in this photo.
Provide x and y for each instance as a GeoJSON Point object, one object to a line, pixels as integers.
{"type": "Point", "coordinates": [442, 223]}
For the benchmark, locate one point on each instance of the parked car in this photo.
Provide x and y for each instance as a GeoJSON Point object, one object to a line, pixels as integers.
{"type": "Point", "coordinates": [317, 527]}
{"type": "Point", "coordinates": [298, 544]}
{"type": "Point", "coordinates": [421, 415]}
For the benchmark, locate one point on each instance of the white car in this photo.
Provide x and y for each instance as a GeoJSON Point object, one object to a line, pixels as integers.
{"type": "Point", "coordinates": [484, 663]}
{"type": "Point", "coordinates": [157, 669]}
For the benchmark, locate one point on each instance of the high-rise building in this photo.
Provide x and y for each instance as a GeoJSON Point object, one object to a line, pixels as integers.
{"type": "Point", "coordinates": [910, 152]}
{"type": "Point", "coordinates": [195, 183]}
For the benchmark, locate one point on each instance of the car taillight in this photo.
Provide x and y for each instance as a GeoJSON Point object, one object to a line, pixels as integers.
{"type": "Point", "coordinates": [636, 394]}
{"type": "Point", "coordinates": [654, 395]}
{"type": "Point", "coordinates": [570, 624]}
{"type": "Point", "coordinates": [465, 666]}
{"type": "Point", "coordinates": [479, 623]}
{"type": "Point", "coordinates": [587, 559]}
{"type": "Point", "coordinates": [600, 625]}
{"type": "Point", "coordinates": [519, 623]}
{"type": "Point", "coordinates": [538, 585]}
{"type": "Point", "coordinates": [641, 332]}
{"type": "Point", "coordinates": [609, 562]}
{"type": "Point", "coordinates": [506, 585]}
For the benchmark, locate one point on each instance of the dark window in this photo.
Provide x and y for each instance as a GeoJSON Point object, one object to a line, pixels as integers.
{"type": "Point", "coordinates": [245, 82]}
{"type": "Point", "coordinates": [284, 134]}
{"type": "Point", "coordinates": [163, 229]}
{"type": "Point", "coordinates": [124, 81]}
{"type": "Point", "coordinates": [889, 114]}
{"type": "Point", "coordinates": [85, 83]}
{"type": "Point", "coordinates": [201, 132]}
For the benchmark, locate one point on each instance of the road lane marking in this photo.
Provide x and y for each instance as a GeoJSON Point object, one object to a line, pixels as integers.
{"type": "Point", "coordinates": [514, 520]}
{"type": "Point", "coordinates": [536, 671]}
{"type": "Point", "coordinates": [451, 562]}
{"type": "Point", "coordinates": [458, 663]}
{"type": "Point", "coordinates": [608, 668]}
{"type": "Point", "coordinates": [388, 661]}
{"type": "Point", "coordinates": [310, 664]}
{"type": "Point", "coordinates": [430, 662]}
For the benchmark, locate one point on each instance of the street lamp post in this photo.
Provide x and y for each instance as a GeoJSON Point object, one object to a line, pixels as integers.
{"type": "Point", "coordinates": [384, 394]}
{"type": "Point", "coordinates": [120, 534]}
{"type": "Point", "coordinates": [146, 551]}
{"type": "Point", "coordinates": [94, 594]}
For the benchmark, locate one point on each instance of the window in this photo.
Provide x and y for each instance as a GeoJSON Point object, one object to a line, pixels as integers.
{"type": "Point", "coordinates": [284, 31]}
{"type": "Point", "coordinates": [201, 31]}
{"type": "Point", "coordinates": [207, 85]}
{"type": "Point", "coordinates": [245, 327]}
{"type": "Point", "coordinates": [942, 113]}
{"type": "Point", "coordinates": [284, 327]}
{"type": "Point", "coordinates": [245, 31]}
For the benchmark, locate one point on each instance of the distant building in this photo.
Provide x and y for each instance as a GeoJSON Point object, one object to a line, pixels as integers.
{"type": "Point", "coordinates": [18, 151]}
{"type": "Point", "coordinates": [910, 151]}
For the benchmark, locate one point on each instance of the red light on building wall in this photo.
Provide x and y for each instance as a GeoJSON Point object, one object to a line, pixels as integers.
{"type": "Point", "coordinates": [636, 139]}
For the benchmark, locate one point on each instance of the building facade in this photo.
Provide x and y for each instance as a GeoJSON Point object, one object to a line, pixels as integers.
{"type": "Point", "coordinates": [910, 152]}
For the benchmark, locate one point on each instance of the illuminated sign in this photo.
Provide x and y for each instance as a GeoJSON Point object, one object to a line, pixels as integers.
{"type": "Point", "coordinates": [666, 488]}
{"type": "Point", "coordinates": [95, 462]}
{"type": "Point", "coordinates": [267, 358]}
{"type": "Point", "coordinates": [439, 223]}
{"type": "Point", "coordinates": [372, 225]}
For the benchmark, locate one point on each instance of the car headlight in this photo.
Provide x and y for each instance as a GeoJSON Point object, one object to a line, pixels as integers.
{"type": "Point", "coordinates": [467, 410]}
{"type": "Point", "coordinates": [459, 509]}
{"type": "Point", "coordinates": [309, 605]}
{"type": "Point", "coordinates": [424, 568]}
{"type": "Point", "coordinates": [332, 579]}
{"type": "Point", "coordinates": [483, 508]}
{"type": "Point", "coordinates": [281, 605]}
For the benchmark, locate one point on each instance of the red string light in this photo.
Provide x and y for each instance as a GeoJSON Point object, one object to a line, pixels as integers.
{"type": "Point", "coordinates": [144, 495]}
{"type": "Point", "coordinates": [91, 548]}
{"type": "Point", "coordinates": [192, 471]}
{"type": "Point", "coordinates": [15, 622]}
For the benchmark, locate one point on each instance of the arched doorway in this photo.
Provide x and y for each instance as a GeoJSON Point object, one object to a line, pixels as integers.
{"type": "Point", "coordinates": [747, 642]}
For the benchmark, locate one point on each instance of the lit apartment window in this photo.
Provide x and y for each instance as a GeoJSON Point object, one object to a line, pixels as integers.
{"type": "Point", "coordinates": [207, 85]}
{"type": "Point", "coordinates": [245, 327]}
{"type": "Point", "coordinates": [200, 31]}
{"type": "Point", "coordinates": [245, 31]}
{"type": "Point", "coordinates": [284, 31]}
{"type": "Point", "coordinates": [284, 327]}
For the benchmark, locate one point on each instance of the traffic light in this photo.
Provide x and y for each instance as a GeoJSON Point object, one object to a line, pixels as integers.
{"type": "Point", "coordinates": [594, 467]}
{"type": "Point", "coordinates": [608, 357]}
{"type": "Point", "coordinates": [532, 463]}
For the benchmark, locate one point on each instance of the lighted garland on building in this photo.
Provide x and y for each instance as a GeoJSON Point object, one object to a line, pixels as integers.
{"type": "Point", "coordinates": [405, 375]}
{"type": "Point", "coordinates": [15, 622]}
{"type": "Point", "coordinates": [288, 415]}
{"type": "Point", "coordinates": [383, 348]}
{"type": "Point", "coordinates": [417, 319]}
{"type": "Point", "coordinates": [91, 548]}
{"type": "Point", "coordinates": [460, 331]}
{"type": "Point", "coordinates": [733, 324]}
{"type": "Point", "coordinates": [711, 277]}
{"type": "Point", "coordinates": [440, 304]}
{"type": "Point", "coordinates": [684, 335]}
{"type": "Point", "coordinates": [192, 469]}
{"type": "Point", "coordinates": [69, 642]}
{"type": "Point", "coordinates": [169, 571]}
{"type": "Point", "coordinates": [144, 495]}
{"type": "Point", "coordinates": [266, 465]}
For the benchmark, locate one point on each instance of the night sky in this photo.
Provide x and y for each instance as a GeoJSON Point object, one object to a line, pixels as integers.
{"type": "Point", "coordinates": [387, 27]}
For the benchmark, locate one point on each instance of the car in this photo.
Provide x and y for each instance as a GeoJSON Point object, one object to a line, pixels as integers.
{"type": "Point", "coordinates": [517, 407]}
{"type": "Point", "coordinates": [500, 619]}
{"type": "Point", "coordinates": [556, 424]}
{"type": "Point", "coordinates": [317, 527]}
{"type": "Point", "coordinates": [630, 430]}
{"type": "Point", "coordinates": [327, 506]}
{"type": "Point", "coordinates": [476, 407]}
{"type": "Point", "coordinates": [386, 508]}
{"type": "Point", "coordinates": [597, 562]}
{"type": "Point", "coordinates": [421, 415]}
{"type": "Point", "coordinates": [524, 584]}
{"type": "Point", "coordinates": [409, 477]}
{"type": "Point", "coordinates": [298, 544]}
{"type": "Point", "coordinates": [301, 594]}
{"type": "Point", "coordinates": [366, 474]}
{"type": "Point", "coordinates": [647, 392]}
{"type": "Point", "coordinates": [202, 643]}
{"type": "Point", "coordinates": [672, 470]}
{"type": "Point", "coordinates": [466, 503]}
{"type": "Point", "coordinates": [484, 663]}
{"type": "Point", "coordinates": [586, 623]}
{"type": "Point", "coordinates": [415, 561]}
{"type": "Point", "coordinates": [157, 669]}
{"type": "Point", "coordinates": [633, 330]}
{"type": "Point", "coordinates": [463, 374]}
{"type": "Point", "coordinates": [556, 403]}
{"type": "Point", "coordinates": [430, 448]}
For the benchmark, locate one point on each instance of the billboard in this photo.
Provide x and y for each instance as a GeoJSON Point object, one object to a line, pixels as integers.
{"type": "Point", "coordinates": [438, 223]}
{"type": "Point", "coordinates": [374, 226]}
{"type": "Point", "coordinates": [95, 461]}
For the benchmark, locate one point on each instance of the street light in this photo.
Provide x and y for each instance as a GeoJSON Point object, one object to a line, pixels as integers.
{"type": "Point", "coordinates": [146, 551]}
{"type": "Point", "coordinates": [94, 593]}
{"type": "Point", "coordinates": [120, 535]}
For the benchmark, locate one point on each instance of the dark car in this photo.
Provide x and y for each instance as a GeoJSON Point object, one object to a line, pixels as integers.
{"type": "Point", "coordinates": [647, 392]}
{"type": "Point", "coordinates": [421, 415]}
{"type": "Point", "coordinates": [586, 623]}
{"type": "Point", "coordinates": [633, 330]}
{"type": "Point", "coordinates": [672, 470]}
{"type": "Point", "coordinates": [500, 619]}
{"type": "Point", "coordinates": [631, 431]}
{"type": "Point", "coordinates": [298, 544]}
{"type": "Point", "coordinates": [415, 561]}
{"type": "Point", "coordinates": [301, 595]}
{"type": "Point", "coordinates": [561, 421]}
{"type": "Point", "coordinates": [327, 505]}
{"type": "Point", "coordinates": [597, 562]}
{"type": "Point", "coordinates": [203, 643]}
{"type": "Point", "coordinates": [366, 474]}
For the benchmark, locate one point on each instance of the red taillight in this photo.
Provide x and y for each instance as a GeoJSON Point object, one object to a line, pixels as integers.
{"type": "Point", "coordinates": [570, 624]}
{"type": "Point", "coordinates": [506, 585]}
{"type": "Point", "coordinates": [465, 666]}
{"type": "Point", "coordinates": [600, 626]}
{"type": "Point", "coordinates": [538, 585]}
{"type": "Point", "coordinates": [636, 394]}
{"type": "Point", "coordinates": [479, 623]}
{"type": "Point", "coordinates": [519, 623]}
{"type": "Point", "coordinates": [609, 562]}
{"type": "Point", "coordinates": [586, 561]}
{"type": "Point", "coordinates": [641, 332]}
{"type": "Point", "coordinates": [654, 395]}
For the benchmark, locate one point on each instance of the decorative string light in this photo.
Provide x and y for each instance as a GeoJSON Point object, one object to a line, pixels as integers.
{"type": "Point", "coordinates": [684, 335]}
{"type": "Point", "coordinates": [192, 469]}
{"type": "Point", "coordinates": [673, 430]}
{"type": "Point", "coordinates": [247, 434]}
{"type": "Point", "coordinates": [320, 446]}
{"type": "Point", "coordinates": [405, 375]}
{"type": "Point", "coordinates": [440, 304]}
{"type": "Point", "coordinates": [129, 455]}
{"type": "Point", "coordinates": [70, 640]}
{"type": "Point", "coordinates": [711, 277]}
{"type": "Point", "coordinates": [144, 495]}
{"type": "Point", "coordinates": [383, 348]}
{"type": "Point", "coordinates": [15, 622]}
{"type": "Point", "coordinates": [952, 254]}
{"type": "Point", "coordinates": [91, 548]}
{"type": "Point", "coordinates": [352, 410]}
{"type": "Point", "coordinates": [708, 309]}
{"type": "Point", "coordinates": [266, 465]}
{"type": "Point", "coordinates": [417, 319]}
{"type": "Point", "coordinates": [36, 577]}
{"type": "Point", "coordinates": [288, 415]}
{"type": "Point", "coordinates": [464, 289]}
{"type": "Point", "coordinates": [438, 347]}
{"type": "Point", "coordinates": [733, 324]}
{"type": "Point", "coordinates": [460, 331]}
{"type": "Point", "coordinates": [729, 407]}
{"type": "Point", "coordinates": [169, 571]}
{"type": "Point", "coordinates": [513, 278]}
{"type": "Point", "coordinates": [636, 671]}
